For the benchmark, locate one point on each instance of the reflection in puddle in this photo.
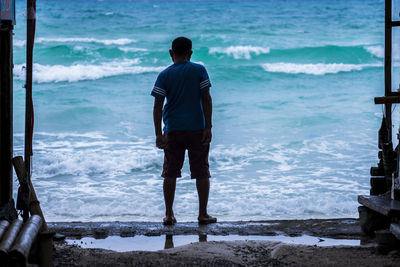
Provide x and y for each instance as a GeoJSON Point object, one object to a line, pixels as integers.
{"type": "Point", "coordinates": [154, 243]}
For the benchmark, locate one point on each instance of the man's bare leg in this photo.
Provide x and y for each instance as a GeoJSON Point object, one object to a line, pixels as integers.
{"type": "Point", "coordinates": [203, 190]}
{"type": "Point", "coordinates": [169, 195]}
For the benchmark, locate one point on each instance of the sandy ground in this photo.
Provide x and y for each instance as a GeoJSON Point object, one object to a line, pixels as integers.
{"type": "Point", "coordinates": [224, 253]}
{"type": "Point", "coordinates": [237, 253]}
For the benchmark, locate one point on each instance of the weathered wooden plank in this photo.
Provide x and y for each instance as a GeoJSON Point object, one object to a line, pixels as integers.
{"type": "Point", "coordinates": [395, 229]}
{"type": "Point", "coordinates": [382, 205]}
{"type": "Point", "coordinates": [395, 23]}
{"type": "Point", "coordinates": [387, 99]}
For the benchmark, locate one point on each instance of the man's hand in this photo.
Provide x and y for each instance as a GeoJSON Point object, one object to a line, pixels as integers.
{"type": "Point", "coordinates": [161, 141]}
{"type": "Point", "coordinates": [207, 109]}
{"type": "Point", "coordinates": [207, 135]}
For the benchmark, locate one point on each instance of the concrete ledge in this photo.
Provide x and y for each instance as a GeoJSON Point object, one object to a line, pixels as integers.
{"type": "Point", "coordinates": [335, 228]}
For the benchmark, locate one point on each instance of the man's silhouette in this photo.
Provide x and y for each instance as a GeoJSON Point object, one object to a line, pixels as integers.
{"type": "Point", "coordinates": [187, 125]}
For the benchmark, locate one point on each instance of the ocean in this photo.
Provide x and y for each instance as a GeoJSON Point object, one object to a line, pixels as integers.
{"type": "Point", "coordinates": [294, 123]}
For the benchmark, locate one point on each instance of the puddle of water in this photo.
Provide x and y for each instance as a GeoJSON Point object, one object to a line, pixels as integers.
{"type": "Point", "coordinates": [154, 243]}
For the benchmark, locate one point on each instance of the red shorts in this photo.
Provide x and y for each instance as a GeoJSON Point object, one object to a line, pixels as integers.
{"type": "Point", "coordinates": [174, 154]}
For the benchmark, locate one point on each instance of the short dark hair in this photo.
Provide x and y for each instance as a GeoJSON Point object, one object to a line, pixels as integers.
{"type": "Point", "coordinates": [181, 46]}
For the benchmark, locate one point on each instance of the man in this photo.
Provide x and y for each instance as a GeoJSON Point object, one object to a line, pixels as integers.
{"type": "Point", "coordinates": [187, 125]}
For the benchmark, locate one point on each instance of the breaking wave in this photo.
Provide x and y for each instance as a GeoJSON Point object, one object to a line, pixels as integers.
{"type": "Point", "coordinates": [240, 51]}
{"type": "Point", "coordinates": [19, 42]}
{"type": "Point", "coordinates": [314, 69]}
{"type": "Point", "coordinates": [120, 41]}
{"type": "Point", "coordinates": [80, 72]}
{"type": "Point", "coordinates": [132, 49]}
{"type": "Point", "coordinates": [111, 172]}
{"type": "Point", "coordinates": [329, 52]}
{"type": "Point", "coordinates": [378, 51]}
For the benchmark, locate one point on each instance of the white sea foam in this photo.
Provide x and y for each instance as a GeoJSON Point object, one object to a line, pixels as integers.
{"type": "Point", "coordinates": [79, 72]}
{"type": "Point", "coordinates": [76, 172]}
{"type": "Point", "coordinates": [199, 62]}
{"type": "Point", "coordinates": [314, 69]}
{"type": "Point", "coordinates": [87, 158]}
{"type": "Point", "coordinates": [120, 41]}
{"type": "Point", "coordinates": [240, 51]}
{"type": "Point", "coordinates": [132, 49]}
{"type": "Point", "coordinates": [78, 48]}
{"type": "Point", "coordinates": [19, 42]}
{"type": "Point", "coordinates": [90, 135]}
{"type": "Point", "coordinates": [377, 50]}
{"type": "Point", "coordinates": [90, 153]}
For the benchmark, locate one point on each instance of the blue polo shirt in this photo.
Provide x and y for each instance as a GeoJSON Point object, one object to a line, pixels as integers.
{"type": "Point", "coordinates": [182, 85]}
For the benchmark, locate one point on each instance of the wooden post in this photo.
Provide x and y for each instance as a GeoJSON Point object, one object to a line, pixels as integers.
{"type": "Point", "coordinates": [388, 64]}
{"type": "Point", "coordinates": [34, 204]}
{"type": "Point", "coordinates": [6, 112]}
{"type": "Point", "coordinates": [30, 34]}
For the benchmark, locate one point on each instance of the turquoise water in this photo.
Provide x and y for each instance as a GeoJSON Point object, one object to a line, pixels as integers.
{"type": "Point", "coordinates": [295, 127]}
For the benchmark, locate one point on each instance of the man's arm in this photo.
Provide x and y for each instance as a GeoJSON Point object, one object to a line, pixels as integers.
{"type": "Point", "coordinates": [157, 117]}
{"type": "Point", "coordinates": [207, 109]}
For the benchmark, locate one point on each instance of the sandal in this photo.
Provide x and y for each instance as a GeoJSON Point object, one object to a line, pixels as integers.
{"type": "Point", "coordinates": [207, 220]}
{"type": "Point", "coordinates": [169, 221]}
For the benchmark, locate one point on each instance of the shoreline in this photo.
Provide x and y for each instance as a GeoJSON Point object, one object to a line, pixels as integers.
{"type": "Point", "coordinates": [346, 228]}
{"type": "Point", "coordinates": [223, 253]}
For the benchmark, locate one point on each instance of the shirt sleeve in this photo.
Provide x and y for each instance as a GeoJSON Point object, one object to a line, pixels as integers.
{"type": "Point", "coordinates": [205, 83]}
{"type": "Point", "coordinates": [159, 90]}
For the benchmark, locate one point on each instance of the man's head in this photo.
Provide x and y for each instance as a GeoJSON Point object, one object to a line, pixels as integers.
{"type": "Point", "coordinates": [181, 49]}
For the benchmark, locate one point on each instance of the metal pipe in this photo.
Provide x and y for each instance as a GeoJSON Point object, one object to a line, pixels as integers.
{"type": "Point", "coordinates": [10, 237]}
{"type": "Point", "coordinates": [20, 251]}
{"type": "Point", "coordinates": [3, 227]}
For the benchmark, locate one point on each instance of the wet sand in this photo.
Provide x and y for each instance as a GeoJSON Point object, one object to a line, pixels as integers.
{"type": "Point", "coordinates": [237, 253]}
{"type": "Point", "coordinates": [224, 253]}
